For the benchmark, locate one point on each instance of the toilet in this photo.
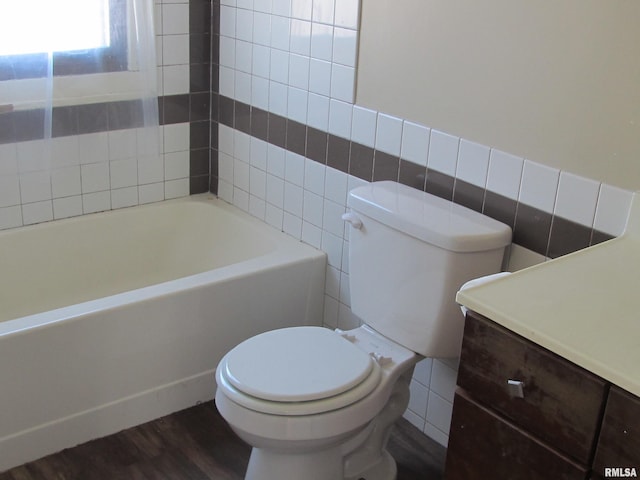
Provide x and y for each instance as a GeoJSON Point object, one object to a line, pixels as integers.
{"type": "Point", "coordinates": [318, 404]}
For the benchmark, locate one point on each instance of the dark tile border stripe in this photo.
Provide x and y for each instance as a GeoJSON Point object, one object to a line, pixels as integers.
{"type": "Point", "coordinates": [533, 229]}
{"type": "Point", "coordinates": [192, 108]}
{"type": "Point", "coordinates": [24, 125]}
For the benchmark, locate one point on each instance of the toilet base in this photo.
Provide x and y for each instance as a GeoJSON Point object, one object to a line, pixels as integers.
{"type": "Point", "coordinates": [385, 469]}
{"type": "Point", "coordinates": [270, 465]}
{"type": "Point", "coordinates": [325, 465]}
{"type": "Point", "coordinates": [362, 457]}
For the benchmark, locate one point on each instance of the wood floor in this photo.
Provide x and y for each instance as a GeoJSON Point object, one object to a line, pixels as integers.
{"type": "Point", "coordinates": [196, 444]}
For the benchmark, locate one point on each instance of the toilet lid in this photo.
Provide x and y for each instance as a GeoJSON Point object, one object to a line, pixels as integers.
{"type": "Point", "coordinates": [298, 364]}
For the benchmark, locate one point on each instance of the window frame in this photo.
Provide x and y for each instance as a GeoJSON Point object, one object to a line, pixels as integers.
{"type": "Point", "coordinates": [79, 62]}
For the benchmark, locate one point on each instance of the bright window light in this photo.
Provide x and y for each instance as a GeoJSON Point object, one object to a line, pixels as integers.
{"type": "Point", "coordinates": [41, 26]}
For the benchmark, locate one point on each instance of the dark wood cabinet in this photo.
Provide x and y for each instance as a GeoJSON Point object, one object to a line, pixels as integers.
{"type": "Point", "coordinates": [560, 403]}
{"type": "Point", "coordinates": [523, 412]}
{"type": "Point", "coordinates": [483, 445]}
{"type": "Point", "coordinates": [619, 444]}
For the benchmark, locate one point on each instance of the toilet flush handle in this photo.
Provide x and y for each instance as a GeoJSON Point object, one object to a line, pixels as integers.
{"type": "Point", "coordinates": [353, 219]}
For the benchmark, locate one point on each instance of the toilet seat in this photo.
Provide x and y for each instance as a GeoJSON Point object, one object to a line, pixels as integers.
{"type": "Point", "coordinates": [297, 371]}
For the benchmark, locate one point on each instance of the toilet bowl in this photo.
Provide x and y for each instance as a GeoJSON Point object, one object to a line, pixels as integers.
{"type": "Point", "coordinates": [317, 404]}
{"type": "Point", "coordinates": [304, 422]}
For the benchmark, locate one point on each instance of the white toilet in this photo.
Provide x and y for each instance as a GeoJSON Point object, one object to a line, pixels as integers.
{"type": "Point", "coordinates": [317, 404]}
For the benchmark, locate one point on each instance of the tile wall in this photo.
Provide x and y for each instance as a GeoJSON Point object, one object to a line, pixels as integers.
{"type": "Point", "coordinates": [292, 143]}
{"type": "Point", "coordinates": [184, 48]}
{"type": "Point", "coordinates": [91, 149]}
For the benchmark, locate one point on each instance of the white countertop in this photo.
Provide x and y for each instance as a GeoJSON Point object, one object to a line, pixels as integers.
{"type": "Point", "coordinates": [583, 306]}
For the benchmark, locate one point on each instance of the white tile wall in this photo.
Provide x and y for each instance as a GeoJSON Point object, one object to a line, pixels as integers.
{"type": "Point", "coordinates": [69, 176]}
{"type": "Point", "coordinates": [505, 174]}
{"type": "Point", "coordinates": [389, 134]}
{"type": "Point", "coordinates": [306, 199]}
{"type": "Point", "coordinates": [172, 29]}
{"type": "Point", "coordinates": [340, 118]}
{"type": "Point", "coordinates": [415, 143]}
{"type": "Point", "coordinates": [347, 14]}
{"type": "Point", "coordinates": [577, 198]}
{"type": "Point", "coordinates": [612, 209]}
{"type": "Point", "coordinates": [473, 163]}
{"type": "Point", "coordinates": [363, 126]}
{"type": "Point", "coordinates": [539, 186]}
{"type": "Point", "coordinates": [301, 9]}
{"type": "Point", "coordinates": [318, 111]}
{"type": "Point", "coordinates": [443, 152]}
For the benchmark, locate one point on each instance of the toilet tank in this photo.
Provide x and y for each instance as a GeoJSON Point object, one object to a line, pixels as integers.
{"type": "Point", "coordinates": [408, 258]}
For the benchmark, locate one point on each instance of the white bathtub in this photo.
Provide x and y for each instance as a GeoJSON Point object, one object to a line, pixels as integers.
{"type": "Point", "coordinates": [113, 319]}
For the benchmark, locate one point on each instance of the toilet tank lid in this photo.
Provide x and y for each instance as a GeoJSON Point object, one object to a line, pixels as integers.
{"type": "Point", "coordinates": [429, 218]}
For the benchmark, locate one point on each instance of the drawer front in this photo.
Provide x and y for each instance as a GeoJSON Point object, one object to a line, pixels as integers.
{"type": "Point", "coordinates": [619, 443]}
{"type": "Point", "coordinates": [484, 446]}
{"type": "Point", "coordinates": [561, 403]}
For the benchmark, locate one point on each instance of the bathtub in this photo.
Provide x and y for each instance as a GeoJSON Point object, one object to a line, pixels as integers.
{"type": "Point", "coordinates": [113, 319]}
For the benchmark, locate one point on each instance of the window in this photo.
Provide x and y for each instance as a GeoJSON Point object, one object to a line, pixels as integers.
{"type": "Point", "coordinates": [82, 34]}
{"type": "Point", "coordinates": [55, 28]}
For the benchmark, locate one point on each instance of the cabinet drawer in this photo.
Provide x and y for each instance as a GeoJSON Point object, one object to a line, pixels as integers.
{"type": "Point", "coordinates": [561, 402]}
{"type": "Point", "coordinates": [483, 445]}
{"type": "Point", "coordinates": [619, 443]}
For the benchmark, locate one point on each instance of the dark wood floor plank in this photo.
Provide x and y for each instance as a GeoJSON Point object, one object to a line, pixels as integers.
{"type": "Point", "coordinates": [417, 456]}
{"type": "Point", "coordinates": [18, 473]}
{"type": "Point", "coordinates": [197, 444]}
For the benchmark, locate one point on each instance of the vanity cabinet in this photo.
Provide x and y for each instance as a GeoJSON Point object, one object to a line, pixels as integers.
{"type": "Point", "coordinates": [483, 445]}
{"type": "Point", "coordinates": [523, 412]}
{"type": "Point", "coordinates": [619, 444]}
